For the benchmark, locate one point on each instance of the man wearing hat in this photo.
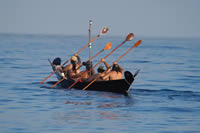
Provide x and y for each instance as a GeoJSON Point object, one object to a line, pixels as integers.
{"type": "Point", "coordinates": [74, 67]}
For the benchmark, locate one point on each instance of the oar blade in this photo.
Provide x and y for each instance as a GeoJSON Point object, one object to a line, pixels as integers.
{"type": "Point", "coordinates": [108, 46]}
{"type": "Point", "coordinates": [104, 30]}
{"type": "Point", "coordinates": [138, 43]}
{"type": "Point", "coordinates": [130, 37]}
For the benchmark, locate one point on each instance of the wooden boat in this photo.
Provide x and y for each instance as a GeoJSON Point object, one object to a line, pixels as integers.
{"type": "Point", "coordinates": [117, 86]}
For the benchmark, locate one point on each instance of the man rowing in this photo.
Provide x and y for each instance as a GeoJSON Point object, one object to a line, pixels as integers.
{"type": "Point", "coordinates": [101, 72]}
{"type": "Point", "coordinates": [85, 74]}
{"type": "Point", "coordinates": [56, 63]}
{"type": "Point", "coordinates": [74, 67]}
{"type": "Point", "coordinates": [115, 73]}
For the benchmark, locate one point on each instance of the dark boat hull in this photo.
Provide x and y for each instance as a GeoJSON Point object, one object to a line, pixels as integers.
{"type": "Point", "coordinates": [117, 86]}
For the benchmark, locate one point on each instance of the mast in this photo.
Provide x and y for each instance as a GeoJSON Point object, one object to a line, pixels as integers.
{"type": "Point", "coordinates": [90, 45]}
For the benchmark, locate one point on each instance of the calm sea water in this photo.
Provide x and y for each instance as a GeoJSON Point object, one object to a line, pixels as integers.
{"type": "Point", "coordinates": [165, 97]}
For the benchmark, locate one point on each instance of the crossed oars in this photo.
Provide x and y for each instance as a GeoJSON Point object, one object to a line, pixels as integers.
{"type": "Point", "coordinates": [107, 47]}
{"type": "Point", "coordinates": [128, 38]}
{"type": "Point", "coordinates": [135, 45]}
{"type": "Point", "coordinates": [103, 31]}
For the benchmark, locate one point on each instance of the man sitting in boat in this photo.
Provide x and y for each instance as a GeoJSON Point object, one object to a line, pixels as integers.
{"type": "Point", "coordinates": [101, 72]}
{"type": "Point", "coordinates": [74, 67]}
{"type": "Point", "coordinates": [85, 74]}
{"type": "Point", "coordinates": [116, 73]}
{"type": "Point", "coordinates": [56, 63]}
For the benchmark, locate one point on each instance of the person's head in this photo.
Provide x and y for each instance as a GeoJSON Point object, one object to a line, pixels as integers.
{"type": "Point", "coordinates": [116, 68]}
{"type": "Point", "coordinates": [57, 61]}
{"type": "Point", "coordinates": [88, 65]}
{"type": "Point", "coordinates": [73, 60]}
{"type": "Point", "coordinates": [100, 69]}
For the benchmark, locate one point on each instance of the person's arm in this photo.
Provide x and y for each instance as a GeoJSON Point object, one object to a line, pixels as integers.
{"type": "Point", "coordinates": [91, 78]}
{"type": "Point", "coordinates": [66, 68]}
{"type": "Point", "coordinates": [106, 76]}
{"type": "Point", "coordinates": [79, 75]}
{"type": "Point", "coordinates": [79, 59]}
{"type": "Point", "coordinates": [105, 63]}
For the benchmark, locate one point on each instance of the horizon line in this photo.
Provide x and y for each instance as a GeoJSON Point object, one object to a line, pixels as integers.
{"type": "Point", "coordinates": [114, 35]}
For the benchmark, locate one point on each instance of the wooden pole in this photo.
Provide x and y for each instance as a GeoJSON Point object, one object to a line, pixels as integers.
{"type": "Point", "coordinates": [90, 44]}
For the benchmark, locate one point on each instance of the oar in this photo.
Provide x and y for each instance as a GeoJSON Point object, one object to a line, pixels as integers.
{"type": "Point", "coordinates": [128, 38]}
{"type": "Point", "coordinates": [107, 47]}
{"type": "Point", "coordinates": [103, 31]}
{"type": "Point", "coordinates": [136, 44]}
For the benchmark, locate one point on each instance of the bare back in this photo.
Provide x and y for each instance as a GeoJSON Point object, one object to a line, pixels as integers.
{"type": "Point", "coordinates": [70, 68]}
{"type": "Point", "coordinates": [113, 75]}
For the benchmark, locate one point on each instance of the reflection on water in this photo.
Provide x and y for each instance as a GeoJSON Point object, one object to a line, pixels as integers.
{"type": "Point", "coordinates": [85, 114]}
{"type": "Point", "coordinates": [97, 108]}
{"type": "Point", "coordinates": [78, 116]}
{"type": "Point", "coordinates": [78, 103]}
{"type": "Point", "coordinates": [109, 115]}
{"type": "Point", "coordinates": [108, 105]}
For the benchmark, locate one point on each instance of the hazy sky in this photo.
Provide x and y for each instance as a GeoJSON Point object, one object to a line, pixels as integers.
{"type": "Point", "coordinates": [150, 18]}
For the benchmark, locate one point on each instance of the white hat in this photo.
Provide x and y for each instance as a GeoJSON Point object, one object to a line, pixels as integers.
{"type": "Point", "coordinates": [74, 58]}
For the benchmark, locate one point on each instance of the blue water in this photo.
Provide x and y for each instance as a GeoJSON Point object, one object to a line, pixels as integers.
{"type": "Point", "coordinates": [165, 97]}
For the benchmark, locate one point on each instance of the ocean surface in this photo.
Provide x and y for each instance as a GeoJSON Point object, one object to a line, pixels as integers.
{"type": "Point", "coordinates": [164, 98]}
